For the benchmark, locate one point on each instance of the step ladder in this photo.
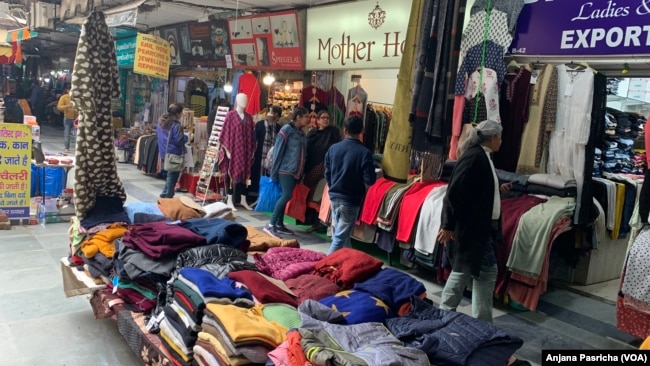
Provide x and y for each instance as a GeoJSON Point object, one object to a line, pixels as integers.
{"type": "Point", "coordinates": [209, 167]}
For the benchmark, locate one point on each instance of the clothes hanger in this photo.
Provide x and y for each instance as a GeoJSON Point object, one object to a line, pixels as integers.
{"type": "Point", "coordinates": [513, 67]}
{"type": "Point", "coordinates": [575, 67]}
{"type": "Point", "coordinates": [537, 65]}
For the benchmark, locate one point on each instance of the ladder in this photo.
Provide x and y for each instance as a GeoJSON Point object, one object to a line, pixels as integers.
{"type": "Point", "coordinates": [211, 160]}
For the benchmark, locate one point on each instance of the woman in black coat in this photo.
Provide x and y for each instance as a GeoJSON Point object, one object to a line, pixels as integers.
{"type": "Point", "coordinates": [470, 221]}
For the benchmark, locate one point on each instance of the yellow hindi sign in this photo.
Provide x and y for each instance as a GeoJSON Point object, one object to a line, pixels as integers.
{"type": "Point", "coordinates": [152, 56]}
{"type": "Point", "coordinates": [15, 169]}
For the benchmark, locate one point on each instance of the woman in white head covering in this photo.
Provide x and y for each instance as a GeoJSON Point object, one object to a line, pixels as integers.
{"type": "Point", "coordinates": [470, 221]}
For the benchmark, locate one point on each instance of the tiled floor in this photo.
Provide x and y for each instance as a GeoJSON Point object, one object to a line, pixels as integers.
{"type": "Point", "coordinates": [40, 326]}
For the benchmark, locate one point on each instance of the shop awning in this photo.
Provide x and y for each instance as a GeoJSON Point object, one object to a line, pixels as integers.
{"type": "Point", "coordinates": [21, 34]}
{"type": "Point", "coordinates": [6, 49]}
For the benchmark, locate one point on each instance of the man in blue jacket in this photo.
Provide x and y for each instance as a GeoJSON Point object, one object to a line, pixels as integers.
{"type": "Point", "coordinates": [349, 171]}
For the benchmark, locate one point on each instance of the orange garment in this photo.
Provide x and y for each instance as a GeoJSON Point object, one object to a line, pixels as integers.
{"type": "Point", "coordinates": [175, 209]}
{"type": "Point", "coordinates": [294, 350]}
{"type": "Point", "coordinates": [102, 242]}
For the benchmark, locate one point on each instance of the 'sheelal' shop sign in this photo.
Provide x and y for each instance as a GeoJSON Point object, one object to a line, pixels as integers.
{"type": "Point", "coordinates": [364, 34]}
{"type": "Point", "coordinates": [582, 27]}
{"type": "Point", "coordinates": [152, 56]}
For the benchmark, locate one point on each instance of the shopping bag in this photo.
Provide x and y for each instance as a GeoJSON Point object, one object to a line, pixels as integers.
{"type": "Point", "coordinates": [297, 205]}
{"type": "Point", "coordinates": [269, 194]}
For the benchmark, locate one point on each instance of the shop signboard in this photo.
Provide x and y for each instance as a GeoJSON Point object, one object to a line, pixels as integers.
{"type": "Point", "coordinates": [15, 169]}
{"type": "Point", "coordinates": [358, 35]}
{"type": "Point", "coordinates": [125, 51]}
{"type": "Point", "coordinates": [268, 41]}
{"type": "Point", "coordinates": [151, 56]}
{"type": "Point", "coordinates": [170, 34]}
{"type": "Point", "coordinates": [204, 44]}
{"type": "Point", "coordinates": [583, 28]}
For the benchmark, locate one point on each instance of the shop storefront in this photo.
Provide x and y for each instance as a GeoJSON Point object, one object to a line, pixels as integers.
{"type": "Point", "coordinates": [355, 51]}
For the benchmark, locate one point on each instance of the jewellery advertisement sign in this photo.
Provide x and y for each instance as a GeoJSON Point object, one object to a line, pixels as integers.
{"type": "Point", "coordinates": [583, 27]}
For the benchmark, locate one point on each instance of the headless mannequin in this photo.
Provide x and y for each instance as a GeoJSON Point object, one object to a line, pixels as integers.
{"type": "Point", "coordinates": [241, 101]}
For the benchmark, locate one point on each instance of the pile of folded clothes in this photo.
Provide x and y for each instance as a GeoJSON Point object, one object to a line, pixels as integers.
{"type": "Point", "coordinates": [615, 154]}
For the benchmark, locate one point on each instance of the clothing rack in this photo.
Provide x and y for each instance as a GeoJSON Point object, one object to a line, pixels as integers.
{"type": "Point", "coordinates": [381, 104]}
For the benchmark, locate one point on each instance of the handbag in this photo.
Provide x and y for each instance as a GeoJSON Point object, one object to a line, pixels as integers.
{"type": "Point", "coordinates": [173, 162]}
{"type": "Point", "coordinates": [297, 205]}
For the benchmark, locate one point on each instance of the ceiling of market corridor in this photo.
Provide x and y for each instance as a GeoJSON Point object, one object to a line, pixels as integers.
{"type": "Point", "coordinates": [70, 14]}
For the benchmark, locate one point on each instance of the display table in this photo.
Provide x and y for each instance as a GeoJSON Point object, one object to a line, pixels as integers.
{"type": "Point", "coordinates": [131, 325]}
{"type": "Point", "coordinates": [76, 282]}
{"type": "Point", "coordinates": [188, 182]}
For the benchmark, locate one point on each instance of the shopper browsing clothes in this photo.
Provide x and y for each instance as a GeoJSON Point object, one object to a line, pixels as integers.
{"type": "Point", "coordinates": [319, 140]}
{"type": "Point", "coordinates": [287, 169]}
{"type": "Point", "coordinates": [470, 221]}
{"type": "Point", "coordinates": [349, 171]}
{"type": "Point", "coordinates": [69, 115]}
{"type": "Point", "coordinates": [171, 139]}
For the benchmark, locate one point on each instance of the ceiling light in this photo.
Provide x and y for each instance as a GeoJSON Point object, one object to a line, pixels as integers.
{"type": "Point", "coordinates": [268, 79]}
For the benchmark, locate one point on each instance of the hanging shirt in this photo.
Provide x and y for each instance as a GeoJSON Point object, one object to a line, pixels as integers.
{"type": "Point", "coordinates": [514, 105]}
{"type": "Point", "coordinates": [498, 31]}
{"type": "Point", "coordinates": [235, 85]}
{"type": "Point", "coordinates": [489, 87]}
{"type": "Point", "coordinates": [472, 61]}
{"type": "Point", "coordinates": [249, 85]}
{"type": "Point", "coordinates": [357, 98]}
{"type": "Point", "coordinates": [511, 7]}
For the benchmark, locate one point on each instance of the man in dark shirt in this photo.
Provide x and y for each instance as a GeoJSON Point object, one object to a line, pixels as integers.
{"type": "Point", "coordinates": [349, 171]}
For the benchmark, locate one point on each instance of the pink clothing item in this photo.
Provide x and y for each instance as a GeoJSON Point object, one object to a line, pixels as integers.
{"type": "Point", "coordinates": [284, 263]}
{"type": "Point", "coordinates": [410, 208]}
{"type": "Point", "coordinates": [456, 125]}
{"type": "Point", "coordinates": [324, 212]}
{"type": "Point", "coordinates": [279, 355]}
{"type": "Point", "coordinates": [526, 290]}
{"type": "Point", "coordinates": [489, 90]}
{"type": "Point", "coordinates": [647, 140]}
{"type": "Point", "coordinates": [374, 197]}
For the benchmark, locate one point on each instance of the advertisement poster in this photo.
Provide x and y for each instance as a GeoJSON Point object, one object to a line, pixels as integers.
{"type": "Point", "coordinates": [125, 51]}
{"type": "Point", "coordinates": [151, 56]}
{"type": "Point", "coordinates": [171, 36]}
{"type": "Point", "coordinates": [266, 41]}
{"type": "Point", "coordinates": [581, 27]}
{"type": "Point", "coordinates": [15, 169]}
{"type": "Point", "coordinates": [205, 44]}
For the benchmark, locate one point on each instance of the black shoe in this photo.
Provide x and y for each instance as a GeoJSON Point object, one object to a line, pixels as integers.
{"type": "Point", "coordinates": [283, 230]}
{"type": "Point", "coordinates": [272, 230]}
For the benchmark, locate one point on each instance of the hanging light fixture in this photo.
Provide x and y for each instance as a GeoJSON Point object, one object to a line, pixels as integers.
{"type": "Point", "coordinates": [287, 87]}
{"type": "Point", "coordinates": [268, 79]}
{"type": "Point", "coordinates": [227, 87]}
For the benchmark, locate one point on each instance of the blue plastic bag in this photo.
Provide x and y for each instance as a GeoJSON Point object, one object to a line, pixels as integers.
{"type": "Point", "coordinates": [270, 193]}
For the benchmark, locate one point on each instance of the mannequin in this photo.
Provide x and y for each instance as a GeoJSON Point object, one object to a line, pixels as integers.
{"type": "Point", "coordinates": [238, 139]}
{"type": "Point", "coordinates": [241, 101]}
